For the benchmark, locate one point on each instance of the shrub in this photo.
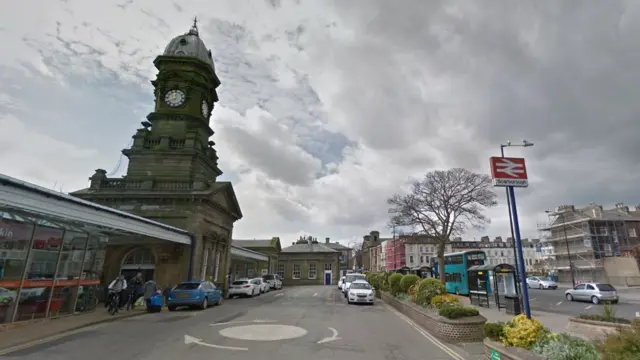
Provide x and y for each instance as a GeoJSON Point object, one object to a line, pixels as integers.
{"type": "Point", "coordinates": [457, 311]}
{"type": "Point", "coordinates": [372, 278]}
{"type": "Point", "coordinates": [442, 300]}
{"type": "Point", "coordinates": [408, 281]}
{"type": "Point", "coordinates": [394, 283]}
{"type": "Point", "coordinates": [383, 280]}
{"type": "Point", "coordinates": [565, 347]}
{"type": "Point", "coordinates": [523, 332]}
{"type": "Point", "coordinates": [623, 344]}
{"type": "Point", "coordinates": [428, 289]}
{"type": "Point", "coordinates": [494, 331]}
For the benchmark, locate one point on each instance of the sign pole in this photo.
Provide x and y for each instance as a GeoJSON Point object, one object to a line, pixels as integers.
{"type": "Point", "coordinates": [518, 244]}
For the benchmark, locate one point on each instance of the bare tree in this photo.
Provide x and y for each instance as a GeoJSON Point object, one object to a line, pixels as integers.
{"type": "Point", "coordinates": [357, 248]}
{"type": "Point", "coordinates": [444, 204]}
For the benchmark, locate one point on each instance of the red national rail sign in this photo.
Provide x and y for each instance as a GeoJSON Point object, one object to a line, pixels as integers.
{"type": "Point", "coordinates": [509, 172]}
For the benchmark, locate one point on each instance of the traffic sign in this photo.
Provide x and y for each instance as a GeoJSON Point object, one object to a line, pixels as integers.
{"type": "Point", "coordinates": [509, 172]}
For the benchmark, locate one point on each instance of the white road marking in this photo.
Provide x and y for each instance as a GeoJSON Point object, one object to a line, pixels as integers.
{"type": "Point", "coordinates": [534, 299]}
{"type": "Point", "coordinates": [637, 313]}
{"type": "Point", "coordinates": [194, 340]}
{"type": "Point", "coordinates": [559, 302]}
{"type": "Point", "coordinates": [264, 332]}
{"type": "Point", "coordinates": [426, 335]}
{"type": "Point", "coordinates": [315, 294]}
{"type": "Point", "coordinates": [279, 294]}
{"type": "Point", "coordinates": [588, 307]}
{"type": "Point", "coordinates": [257, 321]}
{"type": "Point", "coordinates": [333, 337]}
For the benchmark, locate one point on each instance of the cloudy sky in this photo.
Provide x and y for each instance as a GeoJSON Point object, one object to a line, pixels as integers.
{"type": "Point", "coordinates": [328, 107]}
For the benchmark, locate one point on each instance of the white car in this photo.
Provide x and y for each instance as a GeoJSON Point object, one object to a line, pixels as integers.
{"type": "Point", "coordinates": [536, 282]}
{"type": "Point", "coordinates": [349, 279]}
{"type": "Point", "coordinates": [262, 285]}
{"type": "Point", "coordinates": [361, 292]}
{"type": "Point", "coordinates": [243, 287]}
{"type": "Point", "coordinates": [273, 280]}
{"type": "Point", "coordinates": [340, 283]}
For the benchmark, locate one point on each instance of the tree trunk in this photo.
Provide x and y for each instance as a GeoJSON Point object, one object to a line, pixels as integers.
{"type": "Point", "coordinates": [441, 247]}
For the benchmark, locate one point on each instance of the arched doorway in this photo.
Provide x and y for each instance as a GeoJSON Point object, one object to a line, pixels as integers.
{"type": "Point", "coordinates": [139, 260]}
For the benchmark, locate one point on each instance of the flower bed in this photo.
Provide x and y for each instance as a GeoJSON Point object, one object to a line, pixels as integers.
{"type": "Point", "coordinates": [496, 350]}
{"type": "Point", "coordinates": [465, 329]}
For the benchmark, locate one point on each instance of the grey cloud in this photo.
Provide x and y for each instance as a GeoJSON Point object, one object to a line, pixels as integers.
{"type": "Point", "coordinates": [563, 75]}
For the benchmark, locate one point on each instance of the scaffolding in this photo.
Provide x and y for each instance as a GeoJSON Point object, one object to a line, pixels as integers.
{"type": "Point", "coordinates": [591, 235]}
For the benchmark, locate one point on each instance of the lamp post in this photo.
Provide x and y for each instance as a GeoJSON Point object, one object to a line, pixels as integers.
{"type": "Point", "coordinates": [525, 143]}
{"type": "Point", "coordinates": [566, 242]}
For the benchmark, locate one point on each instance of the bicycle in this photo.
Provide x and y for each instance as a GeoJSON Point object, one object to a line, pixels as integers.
{"type": "Point", "coordinates": [114, 303]}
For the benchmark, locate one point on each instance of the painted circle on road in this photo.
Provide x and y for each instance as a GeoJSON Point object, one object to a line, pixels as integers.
{"type": "Point", "coordinates": [263, 332]}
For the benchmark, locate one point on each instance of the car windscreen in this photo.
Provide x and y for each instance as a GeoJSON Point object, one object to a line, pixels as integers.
{"type": "Point", "coordinates": [240, 282]}
{"type": "Point", "coordinates": [269, 277]}
{"type": "Point", "coordinates": [358, 285]}
{"type": "Point", "coordinates": [187, 286]}
{"type": "Point", "coordinates": [352, 278]}
{"type": "Point", "coordinates": [605, 287]}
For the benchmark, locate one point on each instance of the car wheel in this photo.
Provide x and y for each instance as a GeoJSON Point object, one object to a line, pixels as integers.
{"type": "Point", "coordinates": [171, 308]}
{"type": "Point", "coordinates": [528, 286]}
{"type": "Point", "coordinates": [595, 300]}
{"type": "Point", "coordinates": [348, 302]}
{"type": "Point", "coordinates": [569, 297]}
{"type": "Point", "coordinates": [541, 287]}
{"type": "Point", "coordinates": [205, 303]}
{"type": "Point", "coordinates": [614, 302]}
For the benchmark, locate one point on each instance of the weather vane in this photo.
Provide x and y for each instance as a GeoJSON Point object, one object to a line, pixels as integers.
{"type": "Point", "coordinates": [194, 28]}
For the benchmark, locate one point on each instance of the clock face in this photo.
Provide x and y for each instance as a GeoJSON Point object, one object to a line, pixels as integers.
{"type": "Point", "coordinates": [205, 108]}
{"type": "Point", "coordinates": [174, 98]}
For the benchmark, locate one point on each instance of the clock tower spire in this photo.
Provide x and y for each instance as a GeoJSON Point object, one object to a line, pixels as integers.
{"type": "Point", "coordinates": [174, 142]}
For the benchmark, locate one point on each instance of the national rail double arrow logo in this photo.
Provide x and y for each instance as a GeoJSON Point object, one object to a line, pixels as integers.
{"type": "Point", "coordinates": [509, 172]}
{"type": "Point", "coordinates": [510, 168]}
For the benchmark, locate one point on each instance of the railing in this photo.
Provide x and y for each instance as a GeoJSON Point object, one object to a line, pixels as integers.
{"type": "Point", "coordinates": [176, 144]}
{"type": "Point", "coordinates": [151, 143]}
{"type": "Point", "coordinates": [173, 185]}
{"type": "Point", "coordinates": [122, 184]}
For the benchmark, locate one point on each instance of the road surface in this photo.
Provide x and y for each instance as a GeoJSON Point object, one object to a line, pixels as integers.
{"type": "Point", "coordinates": [310, 323]}
{"type": "Point", "coordinates": [554, 301]}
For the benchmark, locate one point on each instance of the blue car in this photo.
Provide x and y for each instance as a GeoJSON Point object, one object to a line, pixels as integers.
{"type": "Point", "coordinates": [194, 293]}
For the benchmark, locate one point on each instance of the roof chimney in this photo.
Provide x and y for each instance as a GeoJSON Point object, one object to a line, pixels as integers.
{"type": "Point", "coordinates": [293, 243]}
{"type": "Point", "coordinates": [326, 240]}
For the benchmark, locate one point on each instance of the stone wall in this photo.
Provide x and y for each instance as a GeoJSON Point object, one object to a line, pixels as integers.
{"type": "Point", "coordinates": [469, 329]}
{"type": "Point", "coordinates": [304, 260]}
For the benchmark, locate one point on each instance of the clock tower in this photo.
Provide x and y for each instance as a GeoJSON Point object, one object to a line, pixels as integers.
{"type": "Point", "coordinates": [173, 173]}
{"type": "Point", "coordinates": [174, 142]}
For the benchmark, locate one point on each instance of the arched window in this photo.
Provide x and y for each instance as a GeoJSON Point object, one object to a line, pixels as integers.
{"type": "Point", "coordinates": [140, 256]}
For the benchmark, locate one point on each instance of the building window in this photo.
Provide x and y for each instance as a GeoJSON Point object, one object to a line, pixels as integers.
{"type": "Point", "coordinates": [632, 232]}
{"type": "Point", "coordinates": [328, 266]}
{"type": "Point", "coordinates": [295, 274]}
{"type": "Point", "coordinates": [421, 259]}
{"type": "Point", "coordinates": [281, 270]}
{"type": "Point", "coordinates": [411, 259]}
{"type": "Point", "coordinates": [312, 271]}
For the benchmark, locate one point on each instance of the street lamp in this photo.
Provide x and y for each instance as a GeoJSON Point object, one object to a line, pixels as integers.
{"type": "Point", "coordinates": [525, 143]}
{"type": "Point", "coordinates": [566, 242]}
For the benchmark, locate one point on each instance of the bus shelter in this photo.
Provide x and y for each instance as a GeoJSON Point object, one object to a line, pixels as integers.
{"type": "Point", "coordinates": [423, 271]}
{"type": "Point", "coordinates": [499, 280]}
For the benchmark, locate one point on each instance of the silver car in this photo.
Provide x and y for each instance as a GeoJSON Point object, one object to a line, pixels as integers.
{"type": "Point", "coordinates": [535, 282]}
{"type": "Point", "coordinates": [594, 292]}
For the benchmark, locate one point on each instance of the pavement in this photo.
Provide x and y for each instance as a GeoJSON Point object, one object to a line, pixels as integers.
{"type": "Point", "coordinates": [554, 301]}
{"type": "Point", "coordinates": [310, 322]}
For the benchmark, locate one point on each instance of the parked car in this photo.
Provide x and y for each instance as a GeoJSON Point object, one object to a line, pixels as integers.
{"type": "Point", "coordinates": [195, 293]}
{"type": "Point", "coordinates": [262, 285]}
{"type": "Point", "coordinates": [535, 282]}
{"type": "Point", "coordinates": [273, 281]}
{"type": "Point", "coordinates": [244, 288]}
{"type": "Point", "coordinates": [594, 292]}
{"type": "Point", "coordinates": [361, 291]}
{"type": "Point", "coordinates": [340, 283]}
{"type": "Point", "coordinates": [348, 279]}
